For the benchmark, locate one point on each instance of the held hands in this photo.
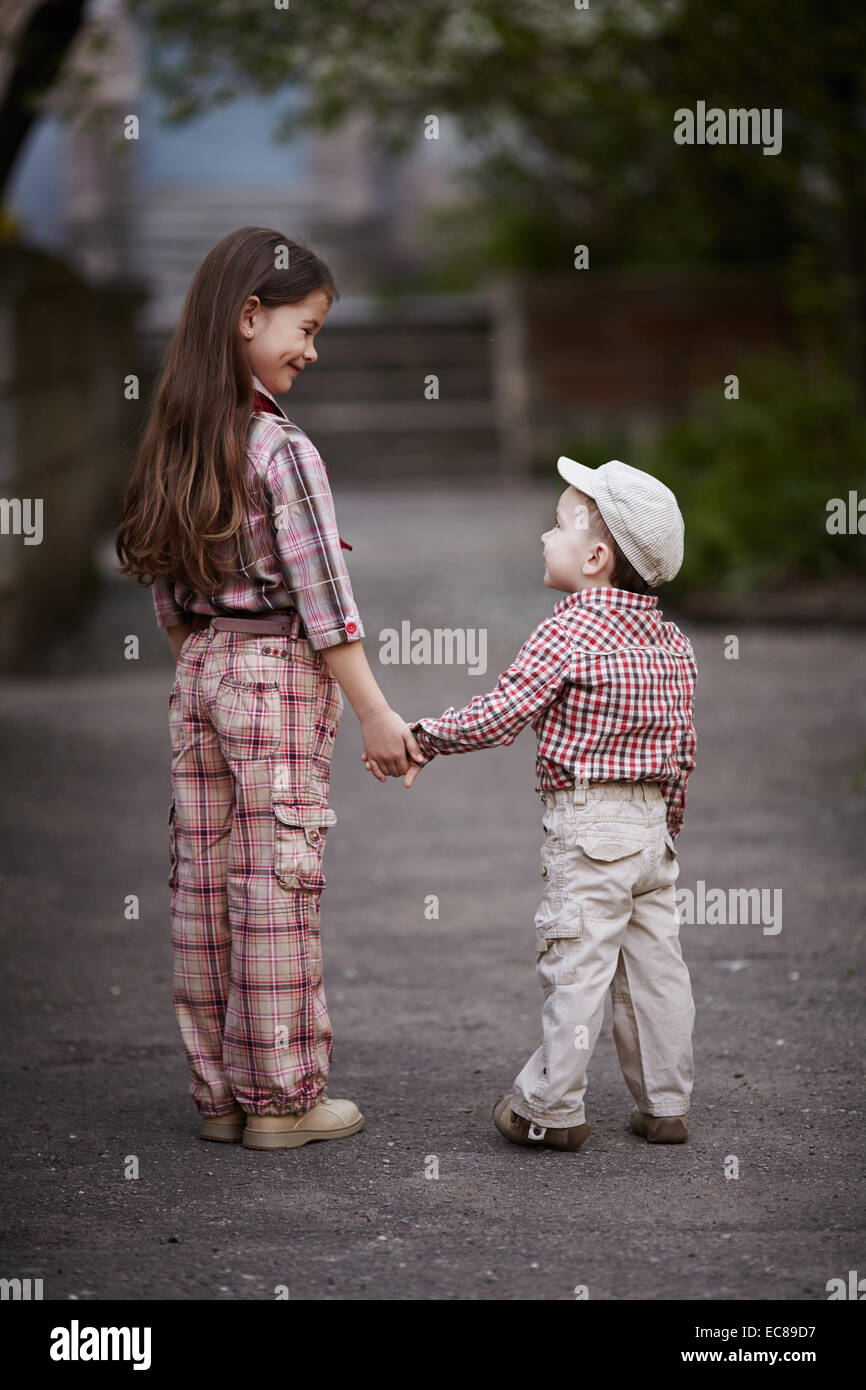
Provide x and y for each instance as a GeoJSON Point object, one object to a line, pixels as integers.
{"type": "Point", "coordinates": [390, 748]}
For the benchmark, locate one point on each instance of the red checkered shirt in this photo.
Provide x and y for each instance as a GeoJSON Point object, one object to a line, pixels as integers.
{"type": "Point", "coordinates": [608, 687]}
{"type": "Point", "coordinates": [299, 554]}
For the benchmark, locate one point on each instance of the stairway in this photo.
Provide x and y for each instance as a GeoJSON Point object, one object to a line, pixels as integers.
{"type": "Point", "coordinates": [363, 403]}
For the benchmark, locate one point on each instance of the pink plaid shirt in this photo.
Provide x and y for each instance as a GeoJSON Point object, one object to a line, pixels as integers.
{"type": "Point", "coordinates": [299, 555]}
{"type": "Point", "coordinates": [609, 690]}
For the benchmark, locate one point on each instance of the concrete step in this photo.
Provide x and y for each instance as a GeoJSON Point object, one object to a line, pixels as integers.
{"type": "Point", "coordinates": [363, 405]}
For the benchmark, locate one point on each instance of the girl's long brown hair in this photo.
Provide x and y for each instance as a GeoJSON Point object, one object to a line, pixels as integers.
{"type": "Point", "coordinates": [185, 500]}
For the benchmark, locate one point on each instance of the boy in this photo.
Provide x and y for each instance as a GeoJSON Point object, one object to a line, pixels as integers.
{"type": "Point", "coordinates": [609, 689]}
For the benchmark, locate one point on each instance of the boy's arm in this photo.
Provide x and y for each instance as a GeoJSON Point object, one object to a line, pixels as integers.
{"type": "Point", "coordinates": [534, 680]}
{"type": "Point", "coordinates": [674, 789]}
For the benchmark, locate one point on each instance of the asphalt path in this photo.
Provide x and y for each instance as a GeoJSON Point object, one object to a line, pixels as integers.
{"type": "Point", "coordinates": [433, 1018]}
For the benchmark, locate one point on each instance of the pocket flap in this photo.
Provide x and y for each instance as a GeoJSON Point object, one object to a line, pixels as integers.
{"type": "Point", "coordinates": [305, 817]}
{"type": "Point", "coordinates": [608, 847]}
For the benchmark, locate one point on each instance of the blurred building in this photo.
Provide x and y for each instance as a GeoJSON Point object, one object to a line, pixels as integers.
{"type": "Point", "coordinates": [520, 366]}
{"type": "Point", "coordinates": [148, 210]}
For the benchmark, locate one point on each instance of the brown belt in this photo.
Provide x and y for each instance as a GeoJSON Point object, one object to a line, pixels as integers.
{"type": "Point", "coordinates": [286, 624]}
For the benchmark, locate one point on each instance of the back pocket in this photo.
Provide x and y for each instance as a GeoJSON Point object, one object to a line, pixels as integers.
{"type": "Point", "coordinates": [246, 715]}
{"type": "Point", "coordinates": [609, 847]}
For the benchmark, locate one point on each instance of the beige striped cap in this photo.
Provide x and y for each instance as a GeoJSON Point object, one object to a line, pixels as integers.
{"type": "Point", "coordinates": [641, 514]}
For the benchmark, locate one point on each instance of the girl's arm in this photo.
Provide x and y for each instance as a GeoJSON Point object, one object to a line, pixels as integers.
{"type": "Point", "coordinates": [177, 636]}
{"type": "Point", "coordinates": [387, 737]}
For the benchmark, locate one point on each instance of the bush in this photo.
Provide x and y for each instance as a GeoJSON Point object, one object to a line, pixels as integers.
{"type": "Point", "coordinates": [753, 478]}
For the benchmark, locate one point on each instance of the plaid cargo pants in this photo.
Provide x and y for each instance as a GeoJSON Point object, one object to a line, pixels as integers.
{"type": "Point", "coordinates": [253, 720]}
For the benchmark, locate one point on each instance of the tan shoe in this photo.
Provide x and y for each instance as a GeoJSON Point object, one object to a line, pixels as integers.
{"type": "Point", "coordinates": [659, 1129]}
{"type": "Point", "coordinates": [521, 1131]}
{"type": "Point", "coordinates": [330, 1119]}
{"type": "Point", "coordinates": [226, 1129]}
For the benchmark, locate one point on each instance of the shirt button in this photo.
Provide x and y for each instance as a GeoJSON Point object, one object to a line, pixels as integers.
{"type": "Point", "coordinates": [351, 627]}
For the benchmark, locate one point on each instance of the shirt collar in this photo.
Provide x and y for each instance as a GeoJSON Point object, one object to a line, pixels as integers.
{"type": "Point", "coordinates": [265, 392]}
{"type": "Point", "coordinates": [607, 598]}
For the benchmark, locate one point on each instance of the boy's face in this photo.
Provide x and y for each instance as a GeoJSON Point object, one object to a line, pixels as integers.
{"type": "Point", "coordinates": [574, 559]}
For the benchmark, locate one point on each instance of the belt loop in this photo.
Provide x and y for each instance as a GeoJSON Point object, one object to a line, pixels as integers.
{"type": "Point", "coordinates": [579, 794]}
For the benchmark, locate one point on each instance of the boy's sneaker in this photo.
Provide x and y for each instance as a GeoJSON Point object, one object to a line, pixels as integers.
{"type": "Point", "coordinates": [521, 1131]}
{"type": "Point", "coordinates": [659, 1129]}
{"type": "Point", "coordinates": [330, 1119]}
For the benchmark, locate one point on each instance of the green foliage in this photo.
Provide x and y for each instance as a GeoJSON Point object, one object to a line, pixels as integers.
{"type": "Point", "coordinates": [753, 477]}
{"type": "Point", "coordinates": [565, 120]}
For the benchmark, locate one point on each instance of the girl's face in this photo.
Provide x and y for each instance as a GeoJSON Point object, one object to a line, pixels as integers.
{"type": "Point", "coordinates": [279, 342]}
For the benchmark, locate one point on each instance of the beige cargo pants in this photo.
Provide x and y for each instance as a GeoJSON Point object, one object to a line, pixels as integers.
{"type": "Point", "coordinates": [607, 920]}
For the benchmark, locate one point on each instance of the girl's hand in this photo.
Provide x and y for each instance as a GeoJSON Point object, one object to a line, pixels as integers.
{"type": "Point", "coordinates": [374, 767]}
{"type": "Point", "coordinates": [389, 745]}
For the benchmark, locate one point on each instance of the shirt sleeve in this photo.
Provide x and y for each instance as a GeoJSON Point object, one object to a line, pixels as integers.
{"type": "Point", "coordinates": [167, 612]}
{"type": "Point", "coordinates": [308, 544]}
{"type": "Point", "coordinates": [535, 679]}
{"type": "Point", "coordinates": [673, 789]}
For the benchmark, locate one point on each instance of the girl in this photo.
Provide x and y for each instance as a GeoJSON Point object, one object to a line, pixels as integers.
{"type": "Point", "coordinates": [228, 514]}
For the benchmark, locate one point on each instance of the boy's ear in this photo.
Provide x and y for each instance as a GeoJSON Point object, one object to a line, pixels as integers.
{"type": "Point", "coordinates": [593, 559]}
{"type": "Point", "coordinates": [600, 555]}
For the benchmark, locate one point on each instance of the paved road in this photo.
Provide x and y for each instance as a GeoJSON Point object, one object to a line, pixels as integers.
{"type": "Point", "coordinates": [433, 1018]}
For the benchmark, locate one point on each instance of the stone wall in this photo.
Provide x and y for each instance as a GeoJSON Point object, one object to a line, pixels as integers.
{"type": "Point", "coordinates": [66, 435]}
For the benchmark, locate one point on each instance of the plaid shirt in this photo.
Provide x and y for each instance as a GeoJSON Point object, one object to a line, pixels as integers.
{"type": "Point", "coordinates": [609, 690]}
{"type": "Point", "coordinates": [299, 554]}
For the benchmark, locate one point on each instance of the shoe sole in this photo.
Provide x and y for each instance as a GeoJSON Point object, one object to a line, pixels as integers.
{"type": "Point", "coordinates": [294, 1139]}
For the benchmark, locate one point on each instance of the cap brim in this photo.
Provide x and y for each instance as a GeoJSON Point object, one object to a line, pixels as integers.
{"type": "Point", "coordinates": [577, 474]}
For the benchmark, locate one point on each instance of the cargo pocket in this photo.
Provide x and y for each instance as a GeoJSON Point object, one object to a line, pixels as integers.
{"type": "Point", "coordinates": [557, 962]}
{"type": "Point", "coordinates": [557, 915]}
{"type": "Point", "coordinates": [172, 846]}
{"type": "Point", "coordinates": [246, 716]}
{"type": "Point", "coordinates": [299, 842]}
